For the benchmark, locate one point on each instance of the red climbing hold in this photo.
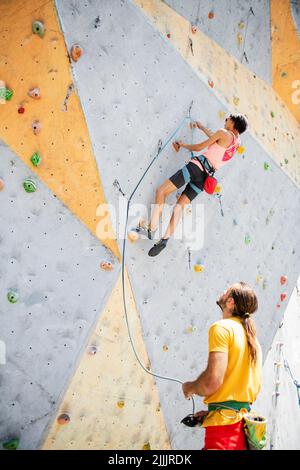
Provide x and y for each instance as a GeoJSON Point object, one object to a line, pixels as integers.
{"type": "Point", "coordinates": [278, 305]}
{"type": "Point", "coordinates": [168, 35]}
{"type": "Point", "coordinates": [76, 52]}
{"type": "Point", "coordinates": [21, 110]}
{"type": "Point", "coordinates": [283, 280]}
{"type": "Point", "coordinates": [1, 184]}
{"type": "Point", "coordinates": [283, 297]}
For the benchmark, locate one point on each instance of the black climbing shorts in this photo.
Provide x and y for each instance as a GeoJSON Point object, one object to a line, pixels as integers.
{"type": "Point", "coordinates": [197, 178]}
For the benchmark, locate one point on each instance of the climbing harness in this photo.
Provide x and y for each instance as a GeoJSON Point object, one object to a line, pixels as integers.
{"type": "Point", "coordinates": [116, 183]}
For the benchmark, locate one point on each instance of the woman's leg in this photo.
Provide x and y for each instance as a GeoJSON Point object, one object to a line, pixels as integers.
{"type": "Point", "coordinates": [161, 193]}
{"type": "Point", "coordinates": [176, 216]}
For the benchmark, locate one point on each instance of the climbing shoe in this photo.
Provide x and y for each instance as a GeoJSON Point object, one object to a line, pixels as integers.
{"type": "Point", "coordinates": [158, 247]}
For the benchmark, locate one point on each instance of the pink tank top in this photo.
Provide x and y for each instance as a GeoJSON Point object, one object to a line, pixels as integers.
{"type": "Point", "coordinates": [217, 155]}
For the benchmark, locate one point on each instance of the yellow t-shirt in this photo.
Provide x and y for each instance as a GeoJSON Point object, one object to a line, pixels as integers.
{"type": "Point", "coordinates": [242, 381]}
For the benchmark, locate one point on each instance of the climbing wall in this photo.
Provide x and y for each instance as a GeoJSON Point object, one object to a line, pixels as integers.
{"type": "Point", "coordinates": [144, 92]}
{"type": "Point", "coordinates": [114, 79]}
{"type": "Point", "coordinates": [279, 400]}
{"type": "Point", "coordinates": [241, 27]}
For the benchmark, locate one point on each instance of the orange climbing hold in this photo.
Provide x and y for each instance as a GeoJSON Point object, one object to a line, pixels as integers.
{"type": "Point", "coordinates": [240, 150]}
{"type": "Point", "coordinates": [194, 29]}
{"type": "Point", "coordinates": [211, 15]}
{"type": "Point", "coordinates": [211, 83]}
{"type": "Point", "coordinates": [1, 184]}
{"type": "Point", "coordinates": [63, 419]}
{"type": "Point", "coordinates": [283, 280]}
{"type": "Point", "coordinates": [106, 265]}
{"type": "Point", "coordinates": [133, 236]}
{"type": "Point", "coordinates": [121, 404]}
{"type": "Point", "coordinates": [76, 52]}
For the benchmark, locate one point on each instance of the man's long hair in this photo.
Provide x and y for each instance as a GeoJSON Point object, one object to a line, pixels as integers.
{"type": "Point", "coordinates": [246, 304]}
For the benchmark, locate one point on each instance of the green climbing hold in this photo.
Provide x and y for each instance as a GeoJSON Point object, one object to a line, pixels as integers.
{"type": "Point", "coordinates": [266, 166]}
{"type": "Point", "coordinates": [36, 159]}
{"type": "Point", "coordinates": [272, 114]}
{"type": "Point", "coordinates": [284, 74]}
{"type": "Point", "coordinates": [286, 161]}
{"type": "Point", "coordinates": [13, 296]}
{"type": "Point", "coordinates": [38, 28]}
{"type": "Point", "coordinates": [12, 444]}
{"type": "Point", "coordinates": [6, 94]}
{"type": "Point", "coordinates": [29, 186]}
{"type": "Point", "coordinates": [247, 239]}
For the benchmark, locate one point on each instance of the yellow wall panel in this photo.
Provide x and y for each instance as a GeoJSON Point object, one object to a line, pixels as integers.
{"type": "Point", "coordinates": [285, 55]}
{"type": "Point", "coordinates": [112, 403]}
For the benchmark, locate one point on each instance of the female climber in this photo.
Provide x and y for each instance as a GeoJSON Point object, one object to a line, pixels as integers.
{"type": "Point", "coordinates": [221, 146]}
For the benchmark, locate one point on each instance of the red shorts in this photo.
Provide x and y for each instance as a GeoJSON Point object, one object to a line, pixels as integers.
{"type": "Point", "coordinates": [231, 437]}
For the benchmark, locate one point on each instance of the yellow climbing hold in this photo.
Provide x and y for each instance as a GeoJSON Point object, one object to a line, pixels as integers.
{"type": "Point", "coordinates": [218, 189]}
{"type": "Point", "coordinates": [165, 348]}
{"type": "Point", "coordinates": [236, 101]}
{"type": "Point", "coordinates": [241, 25]}
{"type": "Point", "coordinates": [221, 114]}
{"type": "Point", "coordinates": [191, 329]}
{"type": "Point", "coordinates": [239, 38]}
{"type": "Point", "coordinates": [121, 404]}
{"type": "Point", "coordinates": [241, 150]}
{"type": "Point", "coordinates": [259, 279]}
{"type": "Point", "coordinates": [198, 268]}
{"type": "Point", "coordinates": [147, 446]}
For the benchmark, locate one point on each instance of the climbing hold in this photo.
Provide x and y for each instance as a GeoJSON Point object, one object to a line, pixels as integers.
{"type": "Point", "coordinates": [191, 329]}
{"type": "Point", "coordinates": [147, 446]}
{"type": "Point", "coordinates": [106, 265]}
{"type": "Point", "coordinates": [38, 28]}
{"type": "Point", "coordinates": [63, 419]}
{"type": "Point", "coordinates": [121, 404]}
{"type": "Point", "coordinates": [133, 236]}
{"type": "Point", "coordinates": [198, 268]}
{"type": "Point", "coordinates": [283, 297]}
{"type": "Point", "coordinates": [29, 186]}
{"type": "Point", "coordinates": [264, 286]}
{"type": "Point", "coordinates": [284, 74]}
{"type": "Point", "coordinates": [211, 15]}
{"type": "Point", "coordinates": [283, 280]}
{"type": "Point", "coordinates": [286, 161]}
{"type": "Point", "coordinates": [247, 239]}
{"type": "Point", "coordinates": [168, 35]}
{"type": "Point", "coordinates": [76, 52]}
{"type": "Point", "coordinates": [241, 25]}
{"type": "Point", "coordinates": [13, 296]}
{"type": "Point", "coordinates": [278, 305]}
{"type": "Point", "coordinates": [92, 350]}
{"type": "Point", "coordinates": [211, 83]}
{"type": "Point", "coordinates": [5, 94]}
{"type": "Point", "coordinates": [189, 210]}
{"type": "Point", "coordinates": [239, 38]}
{"type": "Point", "coordinates": [236, 101]}
{"type": "Point", "coordinates": [12, 444]}
{"type": "Point", "coordinates": [218, 188]}
{"type": "Point", "coordinates": [194, 29]}
{"type": "Point", "coordinates": [266, 166]}
{"type": "Point", "coordinates": [272, 114]}
{"type": "Point", "coordinates": [176, 146]}
{"type": "Point", "coordinates": [259, 279]}
{"type": "Point", "coordinates": [1, 184]}
{"type": "Point", "coordinates": [240, 149]}
{"type": "Point", "coordinates": [36, 159]}
{"type": "Point", "coordinates": [34, 93]}
{"type": "Point", "coordinates": [36, 127]}
{"type": "Point", "coordinates": [21, 110]}
{"type": "Point", "coordinates": [221, 114]}
{"type": "Point", "coordinates": [165, 348]}
{"type": "Point", "coordinates": [235, 222]}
